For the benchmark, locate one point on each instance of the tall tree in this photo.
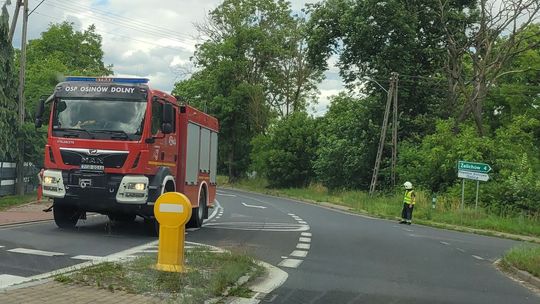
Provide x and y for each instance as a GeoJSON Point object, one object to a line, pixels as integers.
{"type": "Point", "coordinates": [250, 67]}
{"type": "Point", "coordinates": [8, 91]}
{"type": "Point", "coordinates": [372, 39]}
{"type": "Point", "coordinates": [60, 51]}
{"type": "Point", "coordinates": [481, 49]}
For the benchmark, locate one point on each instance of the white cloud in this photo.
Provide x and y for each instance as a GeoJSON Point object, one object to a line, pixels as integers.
{"type": "Point", "coordinates": [145, 38]}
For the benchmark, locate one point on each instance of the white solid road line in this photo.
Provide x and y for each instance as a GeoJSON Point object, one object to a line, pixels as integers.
{"type": "Point", "coordinates": [290, 263]}
{"type": "Point", "coordinates": [253, 206]}
{"type": "Point", "coordinates": [225, 194]}
{"type": "Point", "coordinates": [253, 226]}
{"type": "Point", "coordinates": [7, 279]}
{"type": "Point", "coordinates": [87, 257]}
{"type": "Point", "coordinates": [216, 209]}
{"type": "Point", "coordinates": [35, 252]}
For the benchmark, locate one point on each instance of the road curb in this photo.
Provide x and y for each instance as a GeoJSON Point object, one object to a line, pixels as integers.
{"type": "Point", "coordinates": [518, 274]}
{"type": "Point", "coordinates": [261, 286]}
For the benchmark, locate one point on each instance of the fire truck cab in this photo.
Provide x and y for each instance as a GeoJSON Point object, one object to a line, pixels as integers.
{"type": "Point", "coordinates": [115, 145]}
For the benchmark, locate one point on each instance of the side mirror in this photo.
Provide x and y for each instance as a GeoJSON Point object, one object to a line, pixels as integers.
{"type": "Point", "coordinates": [40, 108]}
{"type": "Point", "coordinates": [168, 113]}
{"type": "Point", "coordinates": [168, 119]}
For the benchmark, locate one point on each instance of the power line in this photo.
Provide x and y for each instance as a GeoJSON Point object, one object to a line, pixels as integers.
{"type": "Point", "coordinates": [131, 20]}
{"type": "Point", "coordinates": [35, 8]}
{"type": "Point", "coordinates": [126, 23]}
{"type": "Point", "coordinates": [117, 35]}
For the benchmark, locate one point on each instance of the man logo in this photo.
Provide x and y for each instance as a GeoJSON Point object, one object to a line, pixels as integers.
{"type": "Point", "coordinates": [85, 183]}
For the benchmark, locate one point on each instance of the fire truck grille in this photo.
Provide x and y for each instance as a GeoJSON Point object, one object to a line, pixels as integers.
{"type": "Point", "coordinates": [107, 160]}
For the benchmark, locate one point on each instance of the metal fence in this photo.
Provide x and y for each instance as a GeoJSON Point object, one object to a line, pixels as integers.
{"type": "Point", "coordinates": [8, 178]}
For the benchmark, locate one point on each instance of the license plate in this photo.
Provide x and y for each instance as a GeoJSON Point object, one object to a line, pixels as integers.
{"type": "Point", "coordinates": [92, 167]}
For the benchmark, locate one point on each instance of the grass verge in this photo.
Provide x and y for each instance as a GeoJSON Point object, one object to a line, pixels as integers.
{"type": "Point", "coordinates": [524, 257]}
{"type": "Point", "coordinates": [209, 275]}
{"type": "Point", "coordinates": [15, 200]}
{"type": "Point", "coordinates": [446, 213]}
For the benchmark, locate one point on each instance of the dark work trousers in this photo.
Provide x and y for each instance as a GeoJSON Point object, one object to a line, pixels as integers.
{"type": "Point", "coordinates": [406, 213]}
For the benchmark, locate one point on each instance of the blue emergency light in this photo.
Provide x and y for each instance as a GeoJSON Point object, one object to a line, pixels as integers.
{"type": "Point", "coordinates": [107, 79]}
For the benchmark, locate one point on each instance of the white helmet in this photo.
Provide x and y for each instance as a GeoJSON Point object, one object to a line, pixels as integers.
{"type": "Point", "coordinates": [407, 185]}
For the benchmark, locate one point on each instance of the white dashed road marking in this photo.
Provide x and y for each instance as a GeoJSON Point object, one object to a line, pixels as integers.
{"type": "Point", "coordinates": [306, 234]}
{"type": "Point", "coordinates": [477, 257]}
{"type": "Point", "coordinates": [445, 243]}
{"type": "Point", "coordinates": [253, 206]}
{"type": "Point", "coordinates": [290, 263]}
{"type": "Point", "coordinates": [35, 252]}
{"type": "Point", "coordinates": [305, 240]}
{"type": "Point", "coordinates": [299, 253]}
{"type": "Point", "coordinates": [303, 246]}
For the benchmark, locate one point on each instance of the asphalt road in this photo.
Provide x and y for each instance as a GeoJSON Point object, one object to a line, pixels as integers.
{"type": "Point", "coordinates": [354, 259]}
{"type": "Point", "coordinates": [330, 256]}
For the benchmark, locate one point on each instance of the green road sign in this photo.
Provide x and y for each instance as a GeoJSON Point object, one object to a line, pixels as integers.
{"type": "Point", "coordinates": [473, 167]}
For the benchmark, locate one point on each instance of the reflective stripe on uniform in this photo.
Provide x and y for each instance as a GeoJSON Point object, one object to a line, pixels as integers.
{"type": "Point", "coordinates": [408, 198]}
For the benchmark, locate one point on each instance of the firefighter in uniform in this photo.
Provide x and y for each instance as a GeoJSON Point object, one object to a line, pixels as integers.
{"type": "Point", "coordinates": [408, 204]}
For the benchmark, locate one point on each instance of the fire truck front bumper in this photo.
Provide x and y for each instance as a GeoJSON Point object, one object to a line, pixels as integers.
{"type": "Point", "coordinates": [127, 189]}
{"type": "Point", "coordinates": [53, 184]}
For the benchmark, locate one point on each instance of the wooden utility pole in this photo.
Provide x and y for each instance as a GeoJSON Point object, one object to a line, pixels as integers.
{"type": "Point", "coordinates": [22, 71]}
{"type": "Point", "coordinates": [391, 99]}
{"type": "Point", "coordinates": [14, 20]}
{"type": "Point", "coordinates": [394, 129]}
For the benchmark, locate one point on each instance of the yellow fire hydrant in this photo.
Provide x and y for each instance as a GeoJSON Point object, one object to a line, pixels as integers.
{"type": "Point", "coordinates": [172, 210]}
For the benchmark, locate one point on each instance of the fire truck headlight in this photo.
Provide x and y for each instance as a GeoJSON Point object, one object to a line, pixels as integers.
{"type": "Point", "coordinates": [49, 180]}
{"type": "Point", "coordinates": [136, 186]}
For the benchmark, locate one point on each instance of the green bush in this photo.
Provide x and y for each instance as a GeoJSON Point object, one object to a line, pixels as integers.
{"type": "Point", "coordinates": [347, 143]}
{"type": "Point", "coordinates": [514, 184]}
{"type": "Point", "coordinates": [285, 155]}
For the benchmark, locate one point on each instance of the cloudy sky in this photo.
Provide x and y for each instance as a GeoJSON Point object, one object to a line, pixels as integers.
{"type": "Point", "coordinates": [152, 39]}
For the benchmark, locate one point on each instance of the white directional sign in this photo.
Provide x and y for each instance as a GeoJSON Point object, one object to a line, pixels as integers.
{"type": "Point", "coordinates": [473, 175]}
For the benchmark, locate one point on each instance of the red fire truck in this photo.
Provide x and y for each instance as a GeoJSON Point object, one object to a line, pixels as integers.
{"type": "Point", "coordinates": [115, 145]}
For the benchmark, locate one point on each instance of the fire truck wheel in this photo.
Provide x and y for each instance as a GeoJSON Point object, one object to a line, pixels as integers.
{"type": "Point", "coordinates": [122, 217]}
{"type": "Point", "coordinates": [152, 226]}
{"type": "Point", "coordinates": [65, 217]}
{"type": "Point", "coordinates": [197, 216]}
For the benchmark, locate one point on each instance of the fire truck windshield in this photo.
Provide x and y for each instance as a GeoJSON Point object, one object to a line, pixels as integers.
{"type": "Point", "coordinates": [99, 118]}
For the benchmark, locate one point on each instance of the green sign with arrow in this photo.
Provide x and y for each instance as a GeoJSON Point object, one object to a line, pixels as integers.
{"type": "Point", "coordinates": [473, 167]}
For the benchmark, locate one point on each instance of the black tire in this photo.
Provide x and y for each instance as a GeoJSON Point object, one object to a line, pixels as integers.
{"type": "Point", "coordinates": [122, 217]}
{"type": "Point", "coordinates": [197, 215]}
{"type": "Point", "coordinates": [65, 216]}
{"type": "Point", "coordinates": [152, 226]}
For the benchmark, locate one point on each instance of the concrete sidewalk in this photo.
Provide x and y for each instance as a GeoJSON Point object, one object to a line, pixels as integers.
{"type": "Point", "coordinates": [49, 291]}
{"type": "Point", "coordinates": [30, 212]}
{"type": "Point", "coordinates": [59, 293]}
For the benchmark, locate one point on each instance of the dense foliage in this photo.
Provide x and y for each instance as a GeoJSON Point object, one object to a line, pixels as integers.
{"type": "Point", "coordinates": [459, 98]}
{"type": "Point", "coordinates": [56, 54]}
{"type": "Point", "coordinates": [285, 154]}
{"type": "Point", "coordinates": [8, 92]}
{"type": "Point", "coordinates": [251, 68]}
